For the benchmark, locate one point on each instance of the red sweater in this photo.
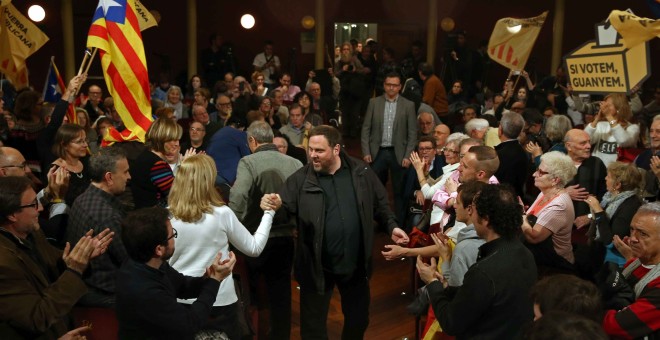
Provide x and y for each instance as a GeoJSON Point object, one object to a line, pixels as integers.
{"type": "Point", "coordinates": [642, 317]}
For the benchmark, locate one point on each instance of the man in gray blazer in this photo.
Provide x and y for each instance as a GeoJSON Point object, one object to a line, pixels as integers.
{"type": "Point", "coordinates": [389, 134]}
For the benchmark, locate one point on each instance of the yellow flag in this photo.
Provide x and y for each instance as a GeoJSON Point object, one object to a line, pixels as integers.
{"type": "Point", "coordinates": [633, 29]}
{"type": "Point", "coordinates": [145, 19]}
{"type": "Point", "coordinates": [19, 38]}
{"type": "Point", "coordinates": [512, 40]}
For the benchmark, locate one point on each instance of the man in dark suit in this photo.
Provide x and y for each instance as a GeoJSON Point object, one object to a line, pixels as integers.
{"type": "Point", "coordinates": [389, 133]}
{"type": "Point", "coordinates": [513, 158]}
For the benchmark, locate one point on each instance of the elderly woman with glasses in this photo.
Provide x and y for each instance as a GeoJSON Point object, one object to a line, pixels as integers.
{"type": "Point", "coordinates": [70, 145]}
{"type": "Point", "coordinates": [548, 223]}
{"type": "Point", "coordinates": [206, 226]}
{"type": "Point", "coordinates": [151, 174]}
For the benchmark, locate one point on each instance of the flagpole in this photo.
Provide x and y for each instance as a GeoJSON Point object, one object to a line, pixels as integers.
{"type": "Point", "coordinates": [85, 65]}
{"type": "Point", "coordinates": [82, 65]}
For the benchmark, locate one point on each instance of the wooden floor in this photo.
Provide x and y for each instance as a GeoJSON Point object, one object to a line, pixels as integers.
{"type": "Point", "coordinates": [388, 318]}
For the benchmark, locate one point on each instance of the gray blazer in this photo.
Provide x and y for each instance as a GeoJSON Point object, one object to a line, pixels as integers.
{"type": "Point", "coordinates": [404, 136]}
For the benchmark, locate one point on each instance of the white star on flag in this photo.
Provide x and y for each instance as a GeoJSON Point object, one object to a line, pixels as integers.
{"type": "Point", "coordinates": [107, 4]}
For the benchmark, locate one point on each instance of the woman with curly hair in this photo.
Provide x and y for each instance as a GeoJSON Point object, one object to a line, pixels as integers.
{"type": "Point", "coordinates": [205, 225]}
{"type": "Point", "coordinates": [549, 220]}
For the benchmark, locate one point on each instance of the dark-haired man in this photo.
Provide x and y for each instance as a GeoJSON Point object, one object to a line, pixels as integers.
{"type": "Point", "coordinates": [389, 135]}
{"type": "Point", "coordinates": [335, 199]}
{"type": "Point", "coordinates": [39, 283]}
{"type": "Point", "coordinates": [147, 287]}
{"type": "Point", "coordinates": [99, 208]}
{"type": "Point", "coordinates": [493, 301]}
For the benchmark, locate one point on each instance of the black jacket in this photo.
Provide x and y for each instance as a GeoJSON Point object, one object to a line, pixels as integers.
{"type": "Point", "coordinates": [514, 165]}
{"type": "Point", "coordinates": [147, 307]}
{"type": "Point", "coordinates": [302, 196]}
{"type": "Point", "coordinates": [494, 301]}
{"type": "Point", "coordinates": [591, 176]}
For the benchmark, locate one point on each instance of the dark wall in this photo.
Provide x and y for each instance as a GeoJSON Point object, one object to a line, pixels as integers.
{"type": "Point", "coordinates": [280, 20]}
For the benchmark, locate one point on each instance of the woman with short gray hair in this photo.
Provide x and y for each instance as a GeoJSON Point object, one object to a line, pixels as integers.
{"type": "Point", "coordinates": [548, 223]}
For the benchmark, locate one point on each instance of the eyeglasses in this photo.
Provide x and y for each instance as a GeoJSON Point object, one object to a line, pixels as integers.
{"type": "Point", "coordinates": [446, 149]}
{"type": "Point", "coordinates": [34, 204]}
{"type": "Point", "coordinates": [174, 235]}
{"type": "Point", "coordinates": [392, 85]}
{"type": "Point", "coordinates": [80, 141]}
{"type": "Point", "coordinates": [22, 165]}
{"type": "Point", "coordinates": [541, 172]}
{"type": "Point", "coordinates": [425, 148]}
{"type": "Point", "coordinates": [197, 129]}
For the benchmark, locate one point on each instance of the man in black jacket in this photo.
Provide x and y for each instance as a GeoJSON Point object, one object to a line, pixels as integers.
{"type": "Point", "coordinates": [334, 199]}
{"type": "Point", "coordinates": [147, 287]}
{"type": "Point", "coordinates": [514, 161]}
{"type": "Point", "coordinates": [493, 302]}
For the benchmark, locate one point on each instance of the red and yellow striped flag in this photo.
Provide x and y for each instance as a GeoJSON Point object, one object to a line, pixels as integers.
{"type": "Point", "coordinates": [512, 40]}
{"type": "Point", "coordinates": [115, 31]}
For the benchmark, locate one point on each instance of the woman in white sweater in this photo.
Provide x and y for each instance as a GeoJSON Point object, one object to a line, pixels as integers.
{"type": "Point", "coordinates": [205, 225]}
{"type": "Point", "coordinates": [611, 128]}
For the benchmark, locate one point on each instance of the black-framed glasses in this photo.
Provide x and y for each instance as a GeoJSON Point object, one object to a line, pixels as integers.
{"type": "Point", "coordinates": [34, 204]}
{"type": "Point", "coordinates": [22, 165]}
{"type": "Point", "coordinates": [174, 235]}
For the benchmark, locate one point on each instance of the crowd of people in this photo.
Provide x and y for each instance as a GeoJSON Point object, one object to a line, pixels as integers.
{"type": "Point", "coordinates": [530, 210]}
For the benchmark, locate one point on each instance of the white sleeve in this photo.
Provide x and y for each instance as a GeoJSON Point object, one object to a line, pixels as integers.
{"type": "Point", "coordinates": [240, 237]}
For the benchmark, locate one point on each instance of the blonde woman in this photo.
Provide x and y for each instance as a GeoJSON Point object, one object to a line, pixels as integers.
{"type": "Point", "coordinates": [205, 225]}
{"type": "Point", "coordinates": [612, 129]}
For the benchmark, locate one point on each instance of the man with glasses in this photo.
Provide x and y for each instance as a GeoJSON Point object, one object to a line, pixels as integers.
{"type": "Point", "coordinates": [224, 107]}
{"type": "Point", "coordinates": [202, 116]}
{"type": "Point", "coordinates": [12, 162]}
{"type": "Point", "coordinates": [40, 284]}
{"type": "Point", "coordinates": [197, 136]}
{"type": "Point", "coordinates": [389, 135]}
{"type": "Point", "coordinates": [432, 169]}
{"type": "Point", "coordinates": [94, 105]}
{"type": "Point", "coordinates": [148, 288]}
{"type": "Point", "coordinates": [98, 208]}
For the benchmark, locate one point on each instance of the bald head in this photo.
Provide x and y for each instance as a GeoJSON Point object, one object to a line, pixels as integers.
{"type": "Point", "coordinates": [440, 133]}
{"type": "Point", "coordinates": [12, 162]}
{"type": "Point", "coordinates": [578, 145]}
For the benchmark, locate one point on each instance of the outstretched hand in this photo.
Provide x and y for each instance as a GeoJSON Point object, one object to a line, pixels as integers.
{"type": "Point", "coordinates": [399, 236]}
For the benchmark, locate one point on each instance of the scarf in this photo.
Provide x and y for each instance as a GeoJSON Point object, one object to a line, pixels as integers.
{"type": "Point", "coordinates": [646, 279]}
{"type": "Point", "coordinates": [612, 203]}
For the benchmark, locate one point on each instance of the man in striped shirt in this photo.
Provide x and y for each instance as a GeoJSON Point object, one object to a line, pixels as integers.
{"type": "Point", "coordinates": [642, 317]}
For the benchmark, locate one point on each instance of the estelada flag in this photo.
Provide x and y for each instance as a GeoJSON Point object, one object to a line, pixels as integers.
{"type": "Point", "coordinates": [19, 38]}
{"type": "Point", "coordinates": [54, 88]}
{"type": "Point", "coordinates": [633, 29]}
{"type": "Point", "coordinates": [115, 31]}
{"type": "Point", "coordinates": [512, 40]}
